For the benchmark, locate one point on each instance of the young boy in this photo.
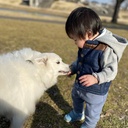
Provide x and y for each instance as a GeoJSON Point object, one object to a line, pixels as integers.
{"type": "Point", "coordinates": [99, 52]}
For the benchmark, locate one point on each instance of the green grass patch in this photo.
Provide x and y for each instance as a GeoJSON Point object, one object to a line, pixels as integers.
{"type": "Point", "coordinates": [49, 37]}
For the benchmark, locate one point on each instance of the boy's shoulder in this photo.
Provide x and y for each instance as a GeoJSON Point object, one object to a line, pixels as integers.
{"type": "Point", "coordinates": [94, 44]}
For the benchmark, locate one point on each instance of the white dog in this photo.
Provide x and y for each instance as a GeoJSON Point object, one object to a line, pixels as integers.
{"type": "Point", "coordinates": [24, 76]}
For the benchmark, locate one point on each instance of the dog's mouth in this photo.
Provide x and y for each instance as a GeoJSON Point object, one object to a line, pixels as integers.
{"type": "Point", "coordinates": [64, 72]}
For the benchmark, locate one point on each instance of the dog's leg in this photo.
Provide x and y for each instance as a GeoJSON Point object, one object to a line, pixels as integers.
{"type": "Point", "coordinates": [18, 121]}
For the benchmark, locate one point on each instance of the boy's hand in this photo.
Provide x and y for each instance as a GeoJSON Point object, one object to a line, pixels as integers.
{"type": "Point", "coordinates": [88, 80]}
{"type": "Point", "coordinates": [69, 74]}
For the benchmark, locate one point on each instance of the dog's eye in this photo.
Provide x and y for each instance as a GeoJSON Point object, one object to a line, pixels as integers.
{"type": "Point", "coordinates": [58, 62]}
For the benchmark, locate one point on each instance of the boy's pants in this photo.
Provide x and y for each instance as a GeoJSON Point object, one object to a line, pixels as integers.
{"type": "Point", "coordinates": [94, 105]}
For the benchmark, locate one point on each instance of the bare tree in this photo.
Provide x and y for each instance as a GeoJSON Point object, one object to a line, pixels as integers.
{"type": "Point", "coordinates": [116, 10]}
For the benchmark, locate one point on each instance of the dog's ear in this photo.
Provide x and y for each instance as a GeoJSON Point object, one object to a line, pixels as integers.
{"type": "Point", "coordinates": [42, 60]}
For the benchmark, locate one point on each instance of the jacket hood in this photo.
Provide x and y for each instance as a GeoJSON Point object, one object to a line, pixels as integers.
{"type": "Point", "coordinates": [117, 43]}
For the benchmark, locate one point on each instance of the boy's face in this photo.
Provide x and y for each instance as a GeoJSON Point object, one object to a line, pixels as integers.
{"type": "Point", "coordinates": [80, 42]}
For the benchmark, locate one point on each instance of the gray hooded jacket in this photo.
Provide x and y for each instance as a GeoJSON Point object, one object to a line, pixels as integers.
{"type": "Point", "coordinates": [111, 56]}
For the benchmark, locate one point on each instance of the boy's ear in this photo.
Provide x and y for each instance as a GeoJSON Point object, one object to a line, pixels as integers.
{"type": "Point", "coordinates": [90, 35]}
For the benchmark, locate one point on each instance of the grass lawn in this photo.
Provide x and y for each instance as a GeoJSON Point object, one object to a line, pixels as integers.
{"type": "Point", "coordinates": [51, 37]}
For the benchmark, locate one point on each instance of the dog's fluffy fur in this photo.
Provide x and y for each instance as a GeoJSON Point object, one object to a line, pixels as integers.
{"type": "Point", "coordinates": [24, 76]}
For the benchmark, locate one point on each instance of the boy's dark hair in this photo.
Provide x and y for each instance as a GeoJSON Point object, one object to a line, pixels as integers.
{"type": "Point", "coordinates": [82, 20]}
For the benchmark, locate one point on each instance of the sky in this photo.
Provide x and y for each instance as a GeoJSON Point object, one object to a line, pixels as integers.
{"type": "Point", "coordinates": [107, 1]}
{"type": "Point", "coordinates": [102, 1]}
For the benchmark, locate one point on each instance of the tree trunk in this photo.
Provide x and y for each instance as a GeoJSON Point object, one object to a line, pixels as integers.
{"type": "Point", "coordinates": [116, 11]}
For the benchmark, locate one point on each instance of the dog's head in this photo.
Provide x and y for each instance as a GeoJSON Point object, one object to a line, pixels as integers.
{"type": "Point", "coordinates": [52, 62]}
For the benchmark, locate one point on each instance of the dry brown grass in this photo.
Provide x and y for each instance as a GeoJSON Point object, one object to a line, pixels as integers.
{"type": "Point", "coordinates": [51, 37]}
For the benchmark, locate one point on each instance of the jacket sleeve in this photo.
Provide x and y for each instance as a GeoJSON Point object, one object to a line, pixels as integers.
{"type": "Point", "coordinates": [73, 67]}
{"type": "Point", "coordinates": [109, 65]}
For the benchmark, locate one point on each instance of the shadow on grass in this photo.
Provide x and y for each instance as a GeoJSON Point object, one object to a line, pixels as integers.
{"type": "Point", "coordinates": [4, 123]}
{"type": "Point", "coordinates": [58, 99]}
{"type": "Point", "coordinates": [47, 117]}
